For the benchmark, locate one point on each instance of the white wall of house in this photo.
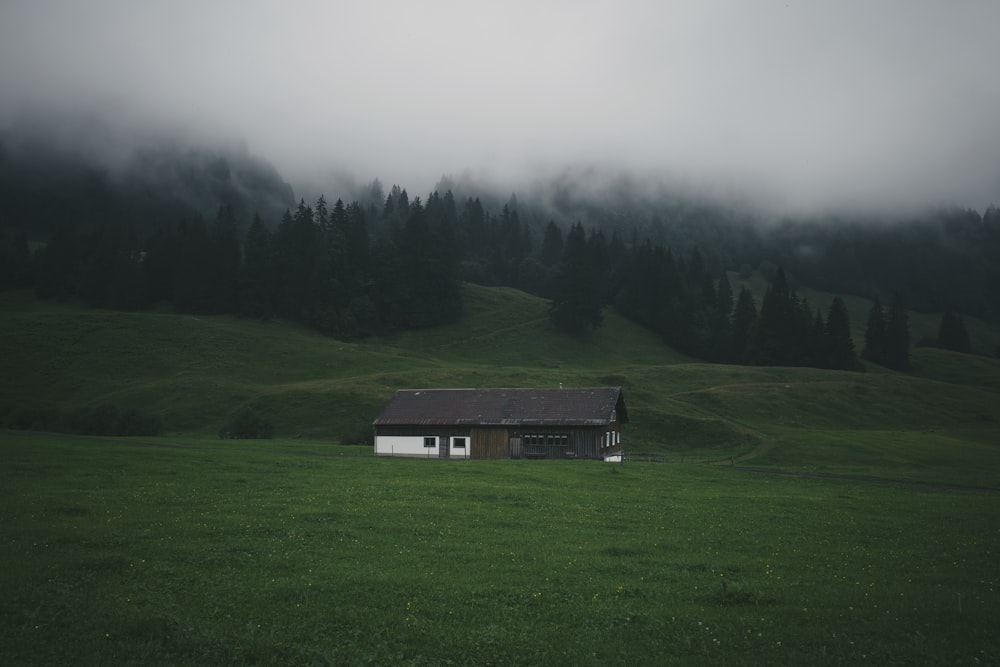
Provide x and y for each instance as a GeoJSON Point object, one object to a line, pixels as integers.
{"type": "Point", "coordinates": [405, 445]}
{"type": "Point", "coordinates": [414, 445]}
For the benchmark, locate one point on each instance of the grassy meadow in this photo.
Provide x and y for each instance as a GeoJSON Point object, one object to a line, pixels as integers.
{"type": "Point", "coordinates": [873, 535]}
{"type": "Point", "coordinates": [168, 551]}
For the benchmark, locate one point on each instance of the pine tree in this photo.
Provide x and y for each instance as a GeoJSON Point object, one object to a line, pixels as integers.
{"type": "Point", "coordinates": [389, 208]}
{"type": "Point", "coordinates": [224, 260]}
{"type": "Point", "coordinates": [839, 345]}
{"type": "Point", "coordinates": [257, 285]}
{"type": "Point", "coordinates": [297, 249]}
{"type": "Point", "coordinates": [356, 241]}
{"type": "Point", "coordinates": [552, 244]}
{"type": "Point", "coordinates": [322, 214]}
{"type": "Point", "coordinates": [431, 270]}
{"type": "Point", "coordinates": [818, 352]}
{"type": "Point", "coordinates": [576, 306]}
{"type": "Point", "coordinates": [473, 228]}
{"type": "Point", "coordinates": [15, 259]}
{"type": "Point", "coordinates": [402, 203]}
{"type": "Point", "coordinates": [773, 338]}
{"type": "Point", "coordinates": [799, 335]}
{"type": "Point", "coordinates": [897, 336]}
{"type": "Point", "coordinates": [599, 259]}
{"type": "Point", "coordinates": [112, 273]}
{"type": "Point", "coordinates": [725, 296]}
{"type": "Point", "coordinates": [717, 314]}
{"type": "Point", "coordinates": [744, 316]}
{"type": "Point", "coordinates": [952, 334]}
{"type": "Point", "coordinates": [876, 340]}
{"type": "Point", "coordinates": [60, 263]}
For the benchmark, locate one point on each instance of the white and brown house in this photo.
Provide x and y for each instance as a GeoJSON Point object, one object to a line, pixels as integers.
{"type": "Point", "coordinates": [502, 423]}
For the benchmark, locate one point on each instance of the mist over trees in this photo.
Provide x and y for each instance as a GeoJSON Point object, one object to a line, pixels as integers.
{"type": "Point", "coordinates": [377, 262]}
{"type": "Point", "coordinates": [88, 175]}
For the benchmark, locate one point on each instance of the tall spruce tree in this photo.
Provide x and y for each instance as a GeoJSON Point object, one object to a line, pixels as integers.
{"type": "Point", "coordinates": [552, 244]}
{"type": "Point", "coordinates": [257, 284]}
{"type": "Point", "coordinates": [576, 305]}
{"type": "Point", "coordinates": [876, 340]}
{"type": "Point", "coordinates": [193, 268]}
{"type": "Point", "coordinates": [112, 273]}
{"type": "Point", "coordinates": [224, 260]}
{"type": "Point", "coordinates": [297, 248]}
{"type": "Point", "coordinates": [15, 259]}
{"type": "Point", "coordinates": [839, 345]}
{"type": "Point", "coordinates": [431, 265]}
{"type": "Point", "coordinates": [322, 214]}
{"type": "Point", "coordinates": [773, 338]}
{"type": "Point", "coordinates": [817, 344]}
{"type": "Point", "coordinates": [721, 324]}
{"type": "Point", "coordinates": [744, 317]}
{"type": "Point", "coordinates": [60, 263]}
{"type": "Point", "coordinates": [897, 336]}
{"type": "Point", "coordinates": [952, 334]}
{"type": "Point", "coordinates": [725, 296]}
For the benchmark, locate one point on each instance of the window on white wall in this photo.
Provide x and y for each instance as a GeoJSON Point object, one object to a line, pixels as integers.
{"type": "Point", "coordinates": [458, 443]}
{"type": "Point", "coordinates": [430, 441]}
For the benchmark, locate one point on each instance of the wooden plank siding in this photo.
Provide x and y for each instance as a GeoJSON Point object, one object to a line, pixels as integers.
{"type": "Point", "coordinates": [500, 443]}
{"type": "Point", "coordinates": [489, 443]}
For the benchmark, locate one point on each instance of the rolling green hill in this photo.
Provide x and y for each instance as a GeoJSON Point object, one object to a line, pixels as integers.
{"type": "Point", "coordinates": [939, 423]}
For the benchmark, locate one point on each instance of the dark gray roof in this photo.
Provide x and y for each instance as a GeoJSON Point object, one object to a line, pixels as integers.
{"type": "Point", "coordinates": [504, 407]}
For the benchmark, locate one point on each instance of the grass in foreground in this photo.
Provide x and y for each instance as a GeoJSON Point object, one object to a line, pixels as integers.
{"type": "Point", "coordinates": [201, 552]}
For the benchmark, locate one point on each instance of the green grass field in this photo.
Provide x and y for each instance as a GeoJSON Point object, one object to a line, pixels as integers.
{"type": "Point", "coordinates": [202, 552]}
{"type": "Point", "coordinates": [877, 542]}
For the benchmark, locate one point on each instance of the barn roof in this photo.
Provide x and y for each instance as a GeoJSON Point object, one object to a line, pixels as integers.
{"type": "Point", "coordinates": [504, 407]}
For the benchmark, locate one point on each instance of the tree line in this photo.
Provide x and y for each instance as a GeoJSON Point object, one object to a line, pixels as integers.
{"type": "Point", "coordinates": [318, 266]}
{"type": "Point", "coordinates": [347, 270]}
{"type": "Point", "coordinates": [701, 316]}
{"type": "Point", "coordinates": [353, 270]}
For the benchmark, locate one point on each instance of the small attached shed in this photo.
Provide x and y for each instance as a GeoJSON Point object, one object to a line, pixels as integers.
{"type": "Point", "coordinates": [502, 423]}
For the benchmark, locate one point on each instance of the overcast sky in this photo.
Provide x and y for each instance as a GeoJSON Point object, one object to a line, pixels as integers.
{"type": "Point", "coordinates": [863, 101]}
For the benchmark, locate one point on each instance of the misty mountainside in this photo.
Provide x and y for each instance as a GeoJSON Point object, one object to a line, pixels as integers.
{"type": "Point", "coordinates": [192, 210]}
{"type": "Point", "coordinates": [82, 170]}
{"type": "Point", "coordinates": [935, 259]}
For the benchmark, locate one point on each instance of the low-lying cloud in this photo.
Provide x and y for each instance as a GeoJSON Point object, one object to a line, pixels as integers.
{"type": "Point", "coordinates": [801, 104]}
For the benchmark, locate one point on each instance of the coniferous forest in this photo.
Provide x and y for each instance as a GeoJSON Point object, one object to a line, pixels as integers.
{"type": "Point", "coordinates": [385, 262]}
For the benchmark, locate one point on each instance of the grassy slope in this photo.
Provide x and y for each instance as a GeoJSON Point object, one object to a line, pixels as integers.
{"type": "Point", "coordinates": [197, 371]}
